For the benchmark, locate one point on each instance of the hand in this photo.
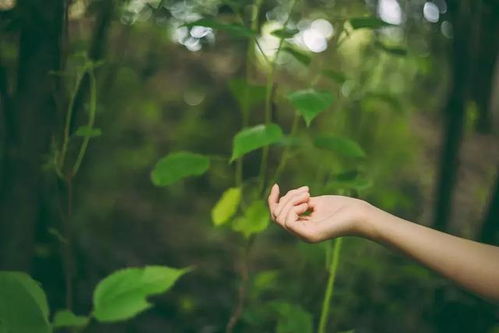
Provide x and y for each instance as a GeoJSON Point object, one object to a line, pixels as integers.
{"type": "Point", "coordinates": [330, 215]}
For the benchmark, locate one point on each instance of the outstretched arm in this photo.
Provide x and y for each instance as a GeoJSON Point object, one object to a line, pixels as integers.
{"type": "Point", "coordinates": [473, 265]}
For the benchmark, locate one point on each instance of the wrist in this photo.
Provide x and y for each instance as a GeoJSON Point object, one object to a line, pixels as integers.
{"type": "Point", "coordinates": [367, 221]}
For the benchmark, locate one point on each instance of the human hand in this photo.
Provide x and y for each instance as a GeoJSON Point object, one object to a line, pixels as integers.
{"type": "Point", "coordinates": [330, 215]}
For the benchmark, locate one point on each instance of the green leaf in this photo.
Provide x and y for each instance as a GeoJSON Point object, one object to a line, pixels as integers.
{"type": "Point", "coordinates": [310, 102]}
{"type": "Point", "coordinates": [369, 22]}
{"type": "Point", "coordinates": [66, 318]}
{"type": "Point", "coordinates": [284, 33]}
{"type": "Point", "coordinates": [236, 30]}
{"type": "Point", "coordinates": [177, 166]}
{"type": "Point", "coordinates": [122, 295]}
{"type": "Point", "coordinates": [255, 219]}
{"type": "Point", "coordinates": [393, 50]}
{"type": "Point", "coordinates": [226, 207]}
{"type": "Point", "coordinates": [253, 138]}
{"type": "Point", "coordinates": [340, 145]}
{"type": "Point", "coordinates": [88, 131]}
{"type": "Point", "coordinates": [334, 75]}
{"type": "Point", "coordinates": [292, 318]}
{"type": "Point", "coordinates": [23, 304]}
{"type": "Point", "coordinates": [247, 94]}
{"type": "Point", "coordinates": [301, 57]}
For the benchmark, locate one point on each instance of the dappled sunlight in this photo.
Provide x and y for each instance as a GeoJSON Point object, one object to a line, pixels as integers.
{"type": "Point", "coordinates": [390, 11]}
{"type": "Point", "coordinates": [431, 12]}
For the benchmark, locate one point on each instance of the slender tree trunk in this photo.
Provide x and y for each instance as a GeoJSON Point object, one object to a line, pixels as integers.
{"type": "Point", "coordinates": [484, 60]}
{"type": "Point", "coordinates": [33, 115]}
{"type": "Point", "coordinates": [454, 113]}
{"type": "Point", "coordinates": [489, 232]}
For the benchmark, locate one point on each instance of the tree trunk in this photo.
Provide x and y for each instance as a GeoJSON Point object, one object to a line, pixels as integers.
{"type": "Point", "coordinates": [454, 112]}
{"type": "Point", "coordinates": [33, 114]}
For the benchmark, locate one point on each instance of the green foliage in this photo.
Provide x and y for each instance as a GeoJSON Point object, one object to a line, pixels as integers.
{"type": "Point", "coordinates": [370, 22]}
{"type": "Point", "coordinates": [255, 219]}
{"type": "Point", "coordinates": [334, 75]}
{"type": "Point", "coordinates": [309, 102]}
{"type": "Point", "coordinates": [393, 50]}
{"type": "Point", "coordinates": [23, 304]}
{"type": "Point", "coordinates": [66, 318]}
{"type": "Point", "coordinates": [88, 131]}
{"type": "Point", "coordinates": [284, 33]}
{"type": "Point", "coordinates": [122, 295]}
{"type": "Point", "coordinates": [236, 30]}
{"type": "Point", "coordinates": [292, 318]}
{"type": "Point", "coordinates": [300, 56]}
{"type": "Point", "coordinates": [255, 137]}
{"type": "Point", "coordinates": [226, 207]}
{"type": "Point", "coordinates": [342, 146]}
{"type": "Point", "coordinates": [177, 166]}
{"type": "Point", "coordinates": [247, 94]}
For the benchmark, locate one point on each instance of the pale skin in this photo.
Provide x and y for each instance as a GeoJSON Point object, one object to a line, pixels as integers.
{"type": "Point", "coordinates": [472, 265]}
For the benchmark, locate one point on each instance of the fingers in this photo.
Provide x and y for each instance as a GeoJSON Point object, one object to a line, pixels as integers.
{"type": "Point", "coordinates": [273, 199]}
{"type": "Point", "coordinates": [285, 199]}
{"type": "Point", "coordinates": [290, 203]}
{"type": "Point", "coordinates": [294, 213]}
{"type": "Point", "coordinates": [299, 226]}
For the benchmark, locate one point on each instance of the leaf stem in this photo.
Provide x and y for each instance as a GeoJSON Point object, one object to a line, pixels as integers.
{"type": "Point", "coordinates": [333, 268]}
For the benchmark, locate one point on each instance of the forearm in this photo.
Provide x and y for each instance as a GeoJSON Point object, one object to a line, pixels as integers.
{"type": "Point", "coordinates": [473, 265]}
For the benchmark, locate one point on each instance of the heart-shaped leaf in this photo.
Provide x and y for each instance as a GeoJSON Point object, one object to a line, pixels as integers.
{"type": "Point", "coordinates": [177, 166]}
{"type": "Point", "coordinates": [253, 138]}
{"type": "Point", "coordinates": [255, 219]}
{"type": "Point", "coordinates": [23, 304]}
{"type": "Point", "coordinates": [310, 102]}
{"type": "Point", "coordinates": [122, 295]}
{"type": "Point", "coordinates": [226, 207]}
{"type": "Point", "coordinates": [340, 145]}
{"type": "Point", "coordinates": [66, 318]}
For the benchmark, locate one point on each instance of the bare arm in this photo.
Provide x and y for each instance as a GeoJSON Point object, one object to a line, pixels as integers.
{"type": "Point", "coordinates": [473, 265]}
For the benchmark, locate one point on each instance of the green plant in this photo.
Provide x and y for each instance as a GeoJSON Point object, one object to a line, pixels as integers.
{"type": "Point", "coordinates": [118, 297]}
{"type": "Point", "coordinates": [241, 207]}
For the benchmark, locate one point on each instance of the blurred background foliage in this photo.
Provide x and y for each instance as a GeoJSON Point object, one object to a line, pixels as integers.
{"type": "Point", "coordinates": [412, 83]}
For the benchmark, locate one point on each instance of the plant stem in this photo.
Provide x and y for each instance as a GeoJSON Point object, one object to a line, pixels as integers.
{"type": "Point", "coordinates": [285, 153]}
{"type": "Point", "coordinates": [91, 121]}
{"type": "Point", "coordinates": [268, 102]}
{"type": "Point", "coordinates": [243, 285]}
{"type": "Point", "coordinates": [67, 126]}
{"type": "Point", "coordinates": [66, 246]}
{"type": "Point", "coordinates": [333, 267]}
